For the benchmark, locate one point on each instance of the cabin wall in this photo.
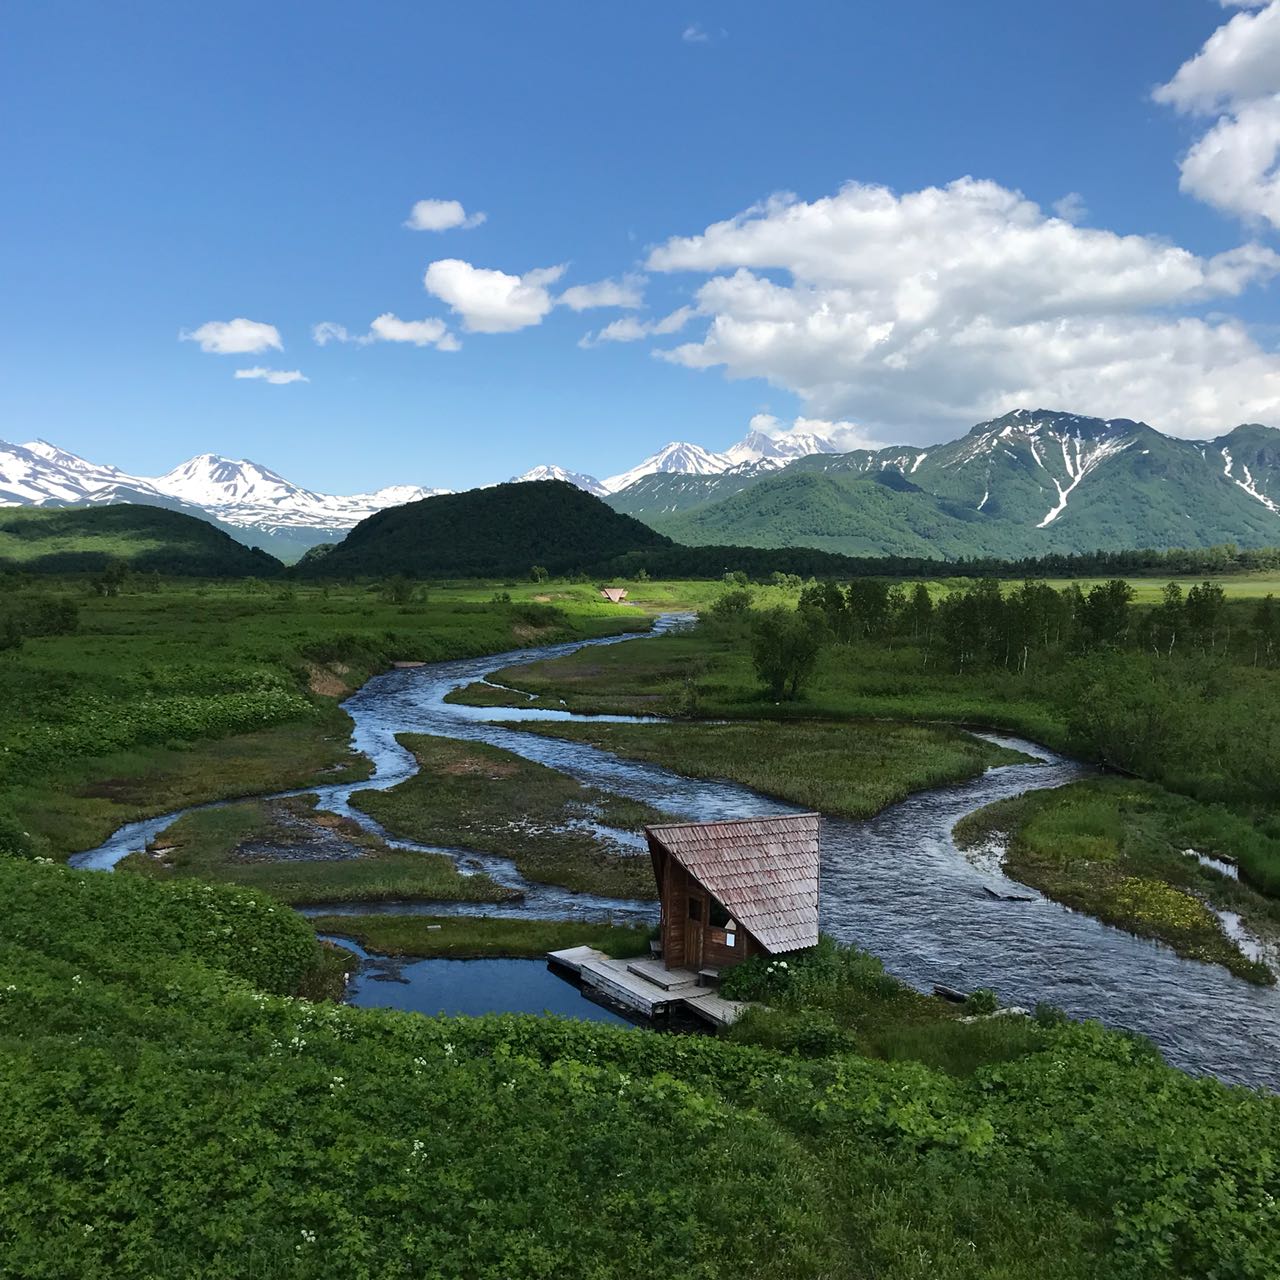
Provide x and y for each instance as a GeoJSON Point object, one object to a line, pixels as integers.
{"type": "Point", "coordinates": [675, 884]}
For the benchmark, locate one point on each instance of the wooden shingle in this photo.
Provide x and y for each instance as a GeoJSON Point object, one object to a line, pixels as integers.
{"type": "Point", "coordinates": [763, 870]}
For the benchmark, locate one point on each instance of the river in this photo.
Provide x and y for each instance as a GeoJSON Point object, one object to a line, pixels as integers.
{"type": "Point", "coordinates": [894, 884]}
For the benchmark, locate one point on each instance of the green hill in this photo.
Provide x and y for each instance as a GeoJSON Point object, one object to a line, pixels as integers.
{"type": "Point", "coordinates": [496, 532]}
{"type": "Point", "coordinates": [146, 539]}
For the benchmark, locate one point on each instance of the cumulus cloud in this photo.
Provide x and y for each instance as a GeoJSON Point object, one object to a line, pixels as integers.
{"type": "Point", "coordinates": [842, 435]}
{"type": "Point", "coordinates": [1235, 77]}
{"type": "Point", "coordinates": [492, 301]}
{"type": "Point", "coordinates": [627, 293]}
{"type": "Point", "coordinates": [946, 305]}
{"type": "Point", "coordinates": [388, 327]}
{"type": "Point", "coordinates": [234, 337]}
{"type": "Point", "coordinates": [631, 329]}
{"type": "Point", "coordinates": [441, 215]}
{"type": "Point", "coordinates": [694, 34]}
{"type": "Point", "coordinates": [277, 377]}
{"type": "Point", "coordinates": [1071, 207]}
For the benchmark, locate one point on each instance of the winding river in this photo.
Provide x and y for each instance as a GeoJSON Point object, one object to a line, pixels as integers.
{"type": "Point", "coordinates": [894, 884]}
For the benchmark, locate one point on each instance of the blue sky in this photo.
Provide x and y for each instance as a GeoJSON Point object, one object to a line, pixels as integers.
{"type": "Point", "coordinates": [168, 166]}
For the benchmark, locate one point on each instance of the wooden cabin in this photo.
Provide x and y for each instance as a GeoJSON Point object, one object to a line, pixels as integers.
{"type": "Point", "coordinates": [614, 595]}
{"type": "Point", "coordinates": [730, 890]}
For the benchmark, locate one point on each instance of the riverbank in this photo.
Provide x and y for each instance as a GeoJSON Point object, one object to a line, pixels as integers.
{"type": "Point", "coordinates": [469, 937]}
{"type": "Point", "coordinates": [299, 854]}
{"type": "Point", "coordinates": [1137, 857]}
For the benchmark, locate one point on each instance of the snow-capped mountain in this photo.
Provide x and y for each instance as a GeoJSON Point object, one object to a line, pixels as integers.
{"type": "Point", "coordinates": [755, 446]}
{"type": "Point", "coordinates": [248, 500]}
{"type": "Point", "coordinates": [552, 472]}
{"type": "Point", "coordinates": [678, 457]}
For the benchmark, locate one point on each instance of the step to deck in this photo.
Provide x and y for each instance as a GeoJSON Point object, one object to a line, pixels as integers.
{"type": "Point", "coordinates": [656, 972]}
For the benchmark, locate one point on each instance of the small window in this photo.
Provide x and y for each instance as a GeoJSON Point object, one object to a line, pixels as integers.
{"type": "Point", "coordinates": [695, 908]}
{"type": "Point", "coordinates": [717, 915]}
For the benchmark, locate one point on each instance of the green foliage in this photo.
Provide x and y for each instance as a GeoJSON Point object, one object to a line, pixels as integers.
{"type": "Point", "coordinates": [785, 644]}
{"type": "Point", "coordinates": [982, 1000]}
{"type": "Point", "coordinates": [161, 1115]}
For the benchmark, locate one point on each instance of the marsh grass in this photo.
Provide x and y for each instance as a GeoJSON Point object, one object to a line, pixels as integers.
{"type": "Point", "coordinates": [289, 850]}
{"type": "Point", "coordinates": [850, 769]}
{"type": "Point", "coordinates": [470, 937]}
{"type": "Point", "coordinates": [1116, 849]}
{"type": "Point", "coordinates": [471, 795]}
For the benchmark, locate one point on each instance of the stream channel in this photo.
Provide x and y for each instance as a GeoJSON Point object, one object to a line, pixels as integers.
{"type": "Point", "coordinates": [894, 884]}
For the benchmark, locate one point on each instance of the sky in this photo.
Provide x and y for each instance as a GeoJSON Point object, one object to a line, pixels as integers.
{"type": "Point", "coordinates": [409, 243]}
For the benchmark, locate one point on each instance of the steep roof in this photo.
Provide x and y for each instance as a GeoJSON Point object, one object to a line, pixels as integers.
{"type": "Point", "coordinates": [763, 870]}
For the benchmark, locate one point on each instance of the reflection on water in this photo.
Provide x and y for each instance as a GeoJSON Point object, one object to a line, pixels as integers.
{"type": "Point", "coordinates": [894, 884]}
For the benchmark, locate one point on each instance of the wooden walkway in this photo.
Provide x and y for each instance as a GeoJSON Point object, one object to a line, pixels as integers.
{"type": "Point", "coordinates": [645, 986]}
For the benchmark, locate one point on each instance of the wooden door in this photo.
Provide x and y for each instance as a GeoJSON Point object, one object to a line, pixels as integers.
{"type": "Point", "coordinates": [694, 926]}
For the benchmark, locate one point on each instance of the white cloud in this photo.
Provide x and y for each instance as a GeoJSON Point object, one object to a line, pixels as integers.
{"type": "Point", "coordinates": [277, 377]}
{"type": "Point", "coordinates": [492, 301]}
{"type": "Point", "coordinates": [604, 293]}
{"type": "Point", "coordinates": [234, 337]}
{"type": "Point", "coordinates": [328, 331]}
{"type": "Point", "coordinates": [631, 329]}
{"type": "Point", "coordinates": [845, 436]}
{"type": "Point", "coordinates": [1235, 164]}
{"type": "Point", "coordinates": [928, 310]}
{"type": "Point", "coordinates": [422, 333]}
{"type": "Point", "coordinates": [1071, 207]}
{"type": "Point", "coordinates": [388, 327]}
{"type": "Point", "coordinates": [694, 34]}
{"type": "Point", "coordinates": [441, 215]}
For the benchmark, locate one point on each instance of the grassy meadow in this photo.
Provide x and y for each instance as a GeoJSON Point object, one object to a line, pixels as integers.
{"type": "Point", "coordinates": [839, 767]}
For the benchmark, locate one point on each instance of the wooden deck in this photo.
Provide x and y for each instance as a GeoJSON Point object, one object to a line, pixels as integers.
{"type": "Point", "coordinates": [645, 986]}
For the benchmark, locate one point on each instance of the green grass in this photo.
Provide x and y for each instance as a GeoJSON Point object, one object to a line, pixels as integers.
{"type": "Point", "coordinates": [851, 769]}
{"type": "Point", "coordinates": [202, 691]}
{"type": "Point", "coordinates": [1116, 849]}
{"type": "Point", "coordinates": [164, 1114]}
{"type": "Point", "coordinates": [300, 855]}
{"type": "Point", "coordinates": [468, 794]}
{"type": "Point", "coordinates": [469, 937]}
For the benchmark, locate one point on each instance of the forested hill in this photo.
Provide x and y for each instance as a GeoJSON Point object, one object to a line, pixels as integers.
{"type": "Point", "coordinates": [494, 532]}
{"type": "Point", "coordinates": [143, 539]}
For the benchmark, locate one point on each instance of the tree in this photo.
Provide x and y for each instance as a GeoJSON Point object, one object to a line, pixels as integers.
{"type": "Point", "coordinates": [538, 573]}
{"type": "Point", "coordinates": [112, 578]}
{"type": "Point", "coordinates": [1105, 615]}
{"type": "Point", "coordinates": [920, 612]}
{"type": "Point", "coordinates": [1266, 631]}
{"type": "Point", "coordinates": [1168, 619]}
{"type": "Point", "coordinates": [1204, 608]}
{"type": "Point", "coordinates": [785, 644]}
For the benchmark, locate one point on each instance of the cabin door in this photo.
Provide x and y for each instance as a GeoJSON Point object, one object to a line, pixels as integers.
{"type": "Point", "coordinates": [694, 927]}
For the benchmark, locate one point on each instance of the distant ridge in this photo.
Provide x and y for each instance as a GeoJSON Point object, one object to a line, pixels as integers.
{"type": "Point", "coordinates": [143, 538]}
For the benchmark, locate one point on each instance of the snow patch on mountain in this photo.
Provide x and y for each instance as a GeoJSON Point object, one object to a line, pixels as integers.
{"type": "Point", "coordinates": [551, 472]}
{"type": "Point", "coordinates": [1248, 484]}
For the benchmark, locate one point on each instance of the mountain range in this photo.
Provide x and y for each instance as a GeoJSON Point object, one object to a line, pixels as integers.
{"type": "Point", "coordinates": [1032, 482]}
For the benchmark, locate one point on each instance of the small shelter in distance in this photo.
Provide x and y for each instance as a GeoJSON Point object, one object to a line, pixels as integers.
{"type": "Point", "coordinates": [731, 890]}
{"type": "Point", "coordinates": [614, 595]}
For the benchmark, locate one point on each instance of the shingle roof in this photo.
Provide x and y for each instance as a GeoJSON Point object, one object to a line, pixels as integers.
{"type": "Point", "coordinates": [764, 871]}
